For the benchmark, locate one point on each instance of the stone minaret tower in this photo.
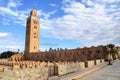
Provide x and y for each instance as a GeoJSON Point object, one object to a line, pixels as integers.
{"type": "Point", "coordinates": [32, 32]}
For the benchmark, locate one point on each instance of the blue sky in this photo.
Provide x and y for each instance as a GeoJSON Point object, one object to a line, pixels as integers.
{"type": "Point", "coordinates": [64, 23]}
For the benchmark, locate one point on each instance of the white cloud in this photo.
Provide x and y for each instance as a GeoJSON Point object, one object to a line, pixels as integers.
{"type": "Point", "coordinates": [20, 17]}
{"type": "Point", "coordinates": [8, 41]}
{"type": "Point", "coordinates": [14, 3]}
{"type": "Point", "coordinates": [96, 24]}
{"type": "Point", "coordinates": [11, 4]}
{"type": "Point", "coordinates": [10, 13]}
{"type": "Point", "coordinates": [46, 15]}
{"type": "Point", "coordinates": [106, 1]}
{"type": "Point", "coordinates": [4, 10]}
{"type": "Point", "coordinates": [10, 48]}
{"type": "Point", "coordinates": [49, 44]}
{"type": "Point", "coordinates": [88, 25]}
{"type": "Point", "coordinates": [90, 3]}
{"type": "Point", "coordinates": [5, 21]}
{"type": "Point", "coordinates": [3, 34]}
{"type": "Point", "coordinates": [53, 5]}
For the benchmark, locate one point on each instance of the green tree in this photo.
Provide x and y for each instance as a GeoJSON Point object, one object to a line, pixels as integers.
{"type": "Point", "coordinates": [45, 50]}
{"type": "Point", "coordinates": [66, 49]}
{"type": "Point", "coordinates": [58, 49]}
{"type": "Point", "coordinates": [61, 49]}
{"type": "Point", "coordinates": [55, 50]}
{"type": "Point", "coordinates": [50, 50]}
{"type": "Point", "coordinates": [7, 54]}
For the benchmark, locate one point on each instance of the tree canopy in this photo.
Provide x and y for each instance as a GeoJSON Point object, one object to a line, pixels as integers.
{"type": "Point", "coordinates": [7, 54]}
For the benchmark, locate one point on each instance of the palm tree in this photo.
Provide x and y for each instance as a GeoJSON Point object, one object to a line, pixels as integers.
{"type": "Point", "coordinates": [111, 53]}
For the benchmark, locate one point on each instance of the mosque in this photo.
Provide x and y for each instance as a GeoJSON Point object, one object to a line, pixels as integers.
{"type": "Point", "coordinates": [32, 47]}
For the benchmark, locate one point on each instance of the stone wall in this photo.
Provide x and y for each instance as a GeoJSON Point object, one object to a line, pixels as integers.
{"type": "Point", "coordinates": [22, 64]}
{"type": "Point", "coordinates": [40, 73]}
{"type": "Point", "coordinates": [35, 70]}
{"type": "Point", "coordinates": [98, 61]}
{"type": "Point", "coordinates": [23, 70]}
{"type": "Point", "coordinates": [102, 60]}
{"type": "Point", "coordinates": [17, 57]}
{"type": "Point", "coordinates": [89, 63]}
{"type": "Point", "coordinates": [82, 65]}
{"type": "Point", "coordinates": [79, 54]}
{"type": "Point", "coordinates": [63, 68]}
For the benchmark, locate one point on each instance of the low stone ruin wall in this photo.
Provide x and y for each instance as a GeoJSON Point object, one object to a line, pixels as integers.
{"type": "Point", "coordinates": [40, 73]}
{"type": "Point", "coordinates": [102, 60]}
{"type": "Point", "coordinates": [23, 70]}
{"type": "Point", "coordinates": [82, 65]}
{"type": "Point", "coordinates": [62, 68]}
{"type": "Point", "coordinates": [35, 70]}
{"type": "Point", "coordinates": [89, 63]}
{"type": "Point", "coordinates": [98, 62]}
{"type": "Point", "coordinates": [15, 65]}
{"type": "Point", "coordinates": [94, 62]}
{"type": "Point", "coordinates": [65, 68]}
{"type": "Point", "coordinates": [69, 67]}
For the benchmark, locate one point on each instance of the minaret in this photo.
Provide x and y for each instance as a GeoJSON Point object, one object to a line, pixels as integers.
{"type": "Point", "coordinates": [32, 32]}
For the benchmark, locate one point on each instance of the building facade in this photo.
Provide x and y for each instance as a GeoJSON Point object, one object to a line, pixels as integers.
{"type": "Point", "coordinates": [78, 54]}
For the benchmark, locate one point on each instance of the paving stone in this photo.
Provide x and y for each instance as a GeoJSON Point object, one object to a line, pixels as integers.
{"type": "Point", "coordinates": [111, 72]}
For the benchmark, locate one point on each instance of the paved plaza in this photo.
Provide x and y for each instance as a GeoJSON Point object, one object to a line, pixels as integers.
{"type": "Point", "coordinates": [111, 72]}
